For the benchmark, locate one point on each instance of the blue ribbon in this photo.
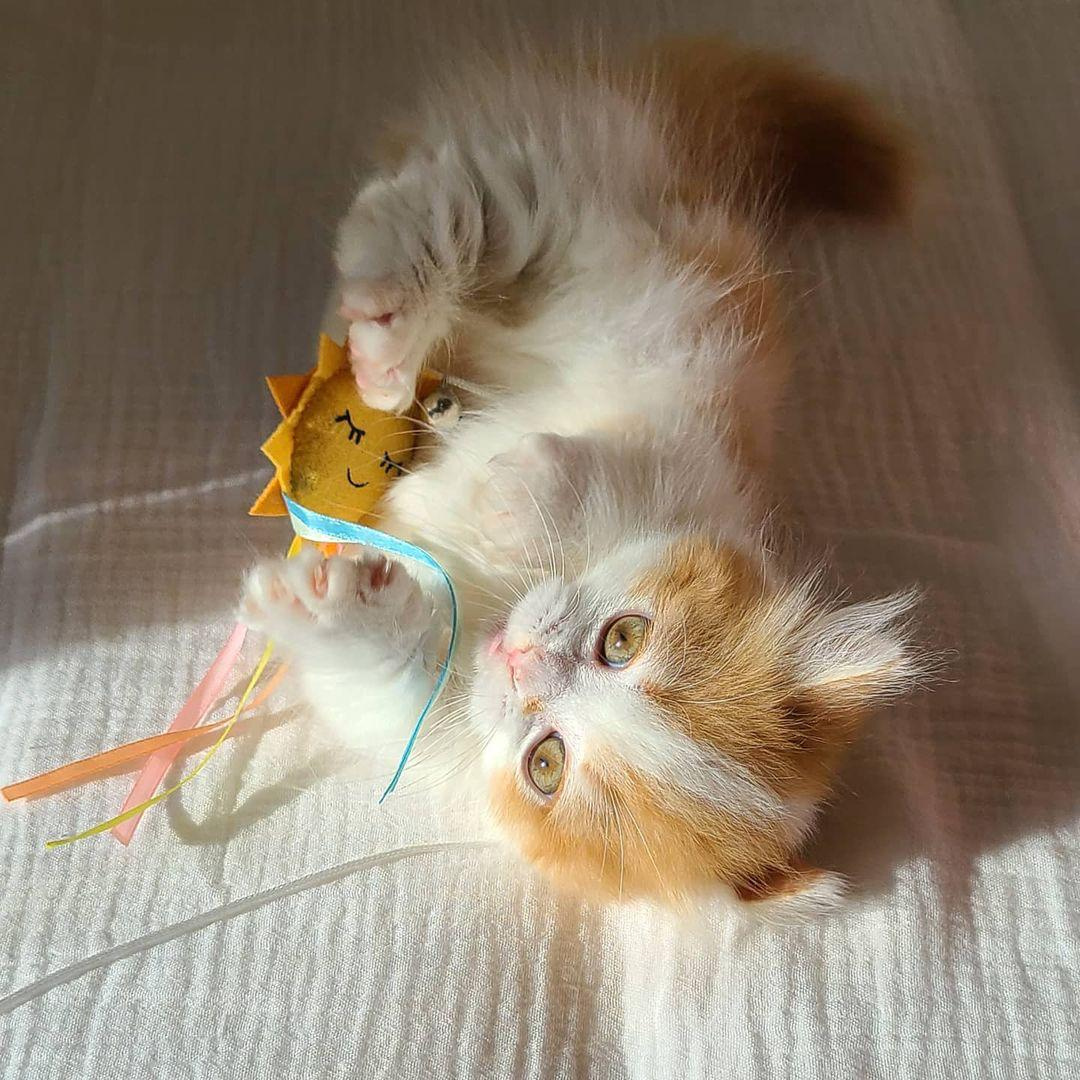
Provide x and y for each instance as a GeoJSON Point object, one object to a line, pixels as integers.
{"type": "Point", "coordinates": [312, 525]}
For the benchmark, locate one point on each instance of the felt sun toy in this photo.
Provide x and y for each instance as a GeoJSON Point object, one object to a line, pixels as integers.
{"type": "Point", "coordinates": [331, 453]}
{"type": "Point", "coordinates": [333, 459]}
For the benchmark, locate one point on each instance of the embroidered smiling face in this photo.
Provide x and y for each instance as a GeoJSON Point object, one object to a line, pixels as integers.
{"type": "Point", "coordinates": [331, 452]}
{"type": "Point", "coordinates": [344, 453]}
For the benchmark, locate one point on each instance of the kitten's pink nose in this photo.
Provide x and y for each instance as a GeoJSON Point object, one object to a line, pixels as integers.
{"type": "Point", "coordinates": [516, 659]}
{"type": "Point", "coordinates": [519, 660]}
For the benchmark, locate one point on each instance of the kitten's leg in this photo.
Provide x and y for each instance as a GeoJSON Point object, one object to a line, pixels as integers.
{"type": "Point", "coordinates": [407, 252]}
{"type": "Point", "coordinates": [356, 631]}
{"type": "Point", "coordinates": [532, 502]}
{"type": "Point", "coordinates": [552, 499]}
{"type": "Point", "coordinates": [426, 250]}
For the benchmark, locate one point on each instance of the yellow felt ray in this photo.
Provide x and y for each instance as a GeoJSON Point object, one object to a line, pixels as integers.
{"type": "Point", "coordinates": [279, 449]}
{"type": "Point", "coordinates": [269, 503]}
{"type": "Point", "coordinates": [287, 390]}
{"type": "Point", "coordinates": [332, 357]}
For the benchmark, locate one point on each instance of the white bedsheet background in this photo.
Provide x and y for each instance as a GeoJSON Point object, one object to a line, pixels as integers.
{"type": "Point", "coordinates": [170, 176]}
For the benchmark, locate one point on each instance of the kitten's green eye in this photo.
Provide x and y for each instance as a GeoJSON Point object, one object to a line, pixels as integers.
{"type": "Point", "coordinates": [623, 639]}
{"type": "Point", "coordinates": [546, 762]}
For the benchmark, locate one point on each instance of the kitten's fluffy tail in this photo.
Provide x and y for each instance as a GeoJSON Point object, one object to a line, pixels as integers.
{"type": "Point", "coordinates": [777, 139]}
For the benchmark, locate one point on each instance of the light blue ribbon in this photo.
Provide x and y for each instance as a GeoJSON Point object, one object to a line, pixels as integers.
{"type": "Point", "coordinates": [312, 525]}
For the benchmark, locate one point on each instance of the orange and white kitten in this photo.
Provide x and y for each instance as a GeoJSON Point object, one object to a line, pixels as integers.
{"type": "Point", "coordinates": [656, 710]}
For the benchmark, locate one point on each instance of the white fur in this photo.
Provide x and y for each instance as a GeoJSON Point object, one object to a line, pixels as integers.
{"type": "Point", "coordinates": [592, 451]}
{"type": "Point", "coordinates": [360, 650]}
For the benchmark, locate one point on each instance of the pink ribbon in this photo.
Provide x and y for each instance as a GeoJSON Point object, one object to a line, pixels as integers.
{"type": "Point", "coordinates": [194, 711]}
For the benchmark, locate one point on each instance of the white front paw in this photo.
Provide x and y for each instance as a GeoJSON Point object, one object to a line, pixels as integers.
{"type": "Point", "coordinates": [396, 287]}
{"type": "Point", "coordinates": [384, 342]}
{"type": "Point", "coordinates": [306, 599]}
{"type": "Point", "coordinates": [530, 498]}
{"type": "Point", "coordinates": [300, 590]}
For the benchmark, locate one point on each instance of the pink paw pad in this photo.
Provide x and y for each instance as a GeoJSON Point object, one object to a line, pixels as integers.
{"type": "Point", "coordinates": [318, 579]}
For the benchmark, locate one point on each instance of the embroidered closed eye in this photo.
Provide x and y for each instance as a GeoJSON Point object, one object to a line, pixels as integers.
{"type": "Point", "coordinates": [355, 433]}
{"type": "Point", "coordinates": [545, 764]}
{"type": "Point", "coordinates": [390, 466]}
{"type": "Point", "coordinates": [622, 639]}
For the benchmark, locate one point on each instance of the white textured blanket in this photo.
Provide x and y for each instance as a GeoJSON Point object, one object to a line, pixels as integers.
{"type": "Point", "coordinates": [169, 176]}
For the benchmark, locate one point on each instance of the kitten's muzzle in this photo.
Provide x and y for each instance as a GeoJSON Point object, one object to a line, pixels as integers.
{"type": "Point", "coordinates": [520, 660]}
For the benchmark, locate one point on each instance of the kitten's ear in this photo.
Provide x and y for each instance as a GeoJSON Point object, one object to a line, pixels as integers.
{"type": "Point", "coordinates": [848, 658]}
{"type": "Point", "coordinates": [792, 892]}
{"type": "Point", "coordinates": [779, 138]}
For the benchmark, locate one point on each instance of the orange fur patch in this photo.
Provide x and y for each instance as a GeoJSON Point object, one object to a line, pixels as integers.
{"type": "Point", "coordinates": [771, 136]}
{"type": "Point", "coordinates": [779, 883]}
{"type": "Point", "coordinates": [729, 682]}
{"type": "Point", "coordinates": [630, 838]}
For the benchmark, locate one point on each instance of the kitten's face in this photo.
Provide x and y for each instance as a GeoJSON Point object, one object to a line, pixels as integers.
{"type": "Point", "coordinates": [668, 721]}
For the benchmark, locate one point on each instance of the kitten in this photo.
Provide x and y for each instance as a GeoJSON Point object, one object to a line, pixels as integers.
{"type": "Point", "coordinates": [657, 711]}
